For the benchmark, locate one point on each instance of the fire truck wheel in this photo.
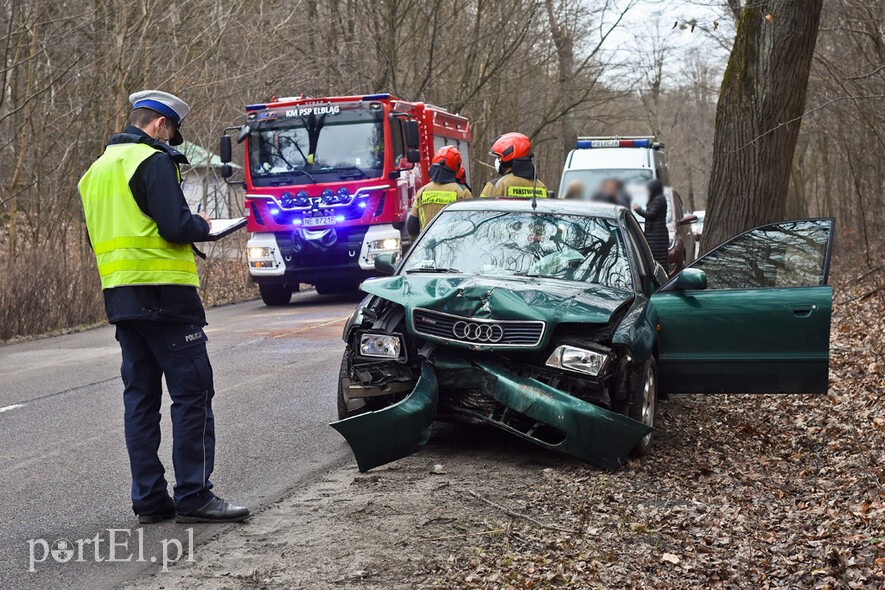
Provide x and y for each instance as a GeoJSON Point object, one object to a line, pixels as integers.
{"type": "Point", "coordinates": [275, 295]}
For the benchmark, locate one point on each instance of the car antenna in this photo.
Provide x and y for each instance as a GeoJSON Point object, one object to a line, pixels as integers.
{"type": "Point", "coordinates": [534, 187]}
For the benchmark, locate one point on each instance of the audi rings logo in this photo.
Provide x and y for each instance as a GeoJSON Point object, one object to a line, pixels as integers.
{"type": "Point", "coordinates": [475, 332]}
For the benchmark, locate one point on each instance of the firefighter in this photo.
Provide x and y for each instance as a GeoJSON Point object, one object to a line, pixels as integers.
{"type": "Point", "coordinates": [461, 177]}
{"type": "Point", "coordinates": [443, 188]}
{"type": "Point", "coordinates": [142, 231]}
{"type": "Point", "coordinates": [516, 169]}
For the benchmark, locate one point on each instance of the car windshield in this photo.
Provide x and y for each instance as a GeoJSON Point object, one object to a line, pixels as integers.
{"type": "Point", "coordinates": [590, 179]}
{"type": "Point", "coordinates": [510, 243]}
{"type": "Point", "coordinates": [300, 147]}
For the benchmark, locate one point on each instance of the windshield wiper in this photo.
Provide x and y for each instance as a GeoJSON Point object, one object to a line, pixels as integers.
{"type": "Point", "coordinates": [360, 171]}
{"type": "Point", "coordinates": [432, 269]}
{"type": "Point", "coordinates": [292, 172]}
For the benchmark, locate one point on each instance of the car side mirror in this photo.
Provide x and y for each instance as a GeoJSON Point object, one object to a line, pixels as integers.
{"type": "Point", "coordinates": [384, 263]}
{"type": "Point", "coordinates": [688, 220]}
{"type": "Point", "coordinates": [413, 141]}
{"type": "Point", "coordinates": [691, 279]}
{"type": "Point", "coordinates": [413, 156]}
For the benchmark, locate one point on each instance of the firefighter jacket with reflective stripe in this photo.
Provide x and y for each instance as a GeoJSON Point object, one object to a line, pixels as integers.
{"type": "Point", "coordinates": [433, 196]}
{"type": "Point", "coordinates": [127, 243]}
{"type": "Point", "coordinates": [511, 186]}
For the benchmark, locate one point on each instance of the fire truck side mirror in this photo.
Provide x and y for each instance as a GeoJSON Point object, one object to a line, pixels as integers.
{"type": "Point", "coordinates": [245, 130]}
{"type": "Point", "coordinates": [224, 149]}
{"type": "Point", "coordinates": [226, 171]}
{"type": "Point", "coordinates": [412, 140]}
{"type": "Point", "coordinates": [413, 156]}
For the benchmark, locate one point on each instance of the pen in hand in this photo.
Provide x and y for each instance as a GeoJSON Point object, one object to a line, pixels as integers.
{"type": "Point", "coordinates": [203, 215]}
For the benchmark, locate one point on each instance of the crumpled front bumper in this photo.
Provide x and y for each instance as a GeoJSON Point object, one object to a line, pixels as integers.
{"type": "Point", "coordinates": [587, 432]}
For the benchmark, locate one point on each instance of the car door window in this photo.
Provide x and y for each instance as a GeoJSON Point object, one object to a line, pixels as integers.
{"type": "Point", "coordinates": [787, 254]}
{"type": "Point", "coordinates": [638, 244]}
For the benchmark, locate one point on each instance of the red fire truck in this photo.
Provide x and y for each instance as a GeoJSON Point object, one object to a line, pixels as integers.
{"type": "Point", "coordinates": [329, 183]}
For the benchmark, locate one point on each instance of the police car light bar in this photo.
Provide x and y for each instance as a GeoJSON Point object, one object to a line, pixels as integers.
{"type": "Point", "coordinates": [584, 144]}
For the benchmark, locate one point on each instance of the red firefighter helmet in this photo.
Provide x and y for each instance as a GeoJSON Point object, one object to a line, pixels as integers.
{"type": "Point", "coordinates": [461, 175]}
{"type": "Point", "coordinates": [511, 146]}
{"type": "Point", "coordinates": [448, 156]}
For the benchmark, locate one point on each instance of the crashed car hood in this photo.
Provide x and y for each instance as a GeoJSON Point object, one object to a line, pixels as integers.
{"type": "Point", "coordinates": [511, 298]}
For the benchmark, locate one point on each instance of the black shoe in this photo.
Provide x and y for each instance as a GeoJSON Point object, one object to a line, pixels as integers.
{"type": "Point", "coordinates": [164, 513]}
{"type": "Point", "coordinates": [215, 510]}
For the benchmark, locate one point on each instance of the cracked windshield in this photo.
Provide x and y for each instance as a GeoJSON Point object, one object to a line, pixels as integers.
{"type": "Point", "coordinates": [306, 148]}
{"type": "Point", "coordinates": [566, 247]}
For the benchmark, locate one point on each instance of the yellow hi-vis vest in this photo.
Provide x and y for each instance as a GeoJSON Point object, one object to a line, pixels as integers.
{"type": "Point", "coordinates": [127, 243]}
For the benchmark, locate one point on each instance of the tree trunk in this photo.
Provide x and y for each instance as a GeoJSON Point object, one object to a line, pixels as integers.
{"type": "Point", "coordinates": [758, 116]}
{"type": "Point", "coordinates": [565, 52]}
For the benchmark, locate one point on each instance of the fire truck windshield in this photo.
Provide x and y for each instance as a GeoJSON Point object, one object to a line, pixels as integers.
{"type": "Point", "coordinates": [300, 147]}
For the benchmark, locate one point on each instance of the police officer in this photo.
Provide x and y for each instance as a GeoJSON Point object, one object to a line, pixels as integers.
{"type": "Point", "coordinates": [141, 231]}
{"type": "Point", "coordinates": [443, 188]}
{"type": "Point", "coordinates": [516, 169]}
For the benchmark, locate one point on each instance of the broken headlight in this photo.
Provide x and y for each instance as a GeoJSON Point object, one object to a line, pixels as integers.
{"type": "Point", "coordinates": [380, 345]}
{"type": "Point", "coordinates": [579, 360]}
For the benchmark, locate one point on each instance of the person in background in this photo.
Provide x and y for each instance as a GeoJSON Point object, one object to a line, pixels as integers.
{"type": "Point", "coordinates": [655, 214]}
{"type": "Point", "coordinates": [514, 162]}
{"type": "Point", "coordinates": [461, 177]}
{"type": "Point", "coordinates": [575, 191]}
{"type": "Point", "coordinates": [443, 189]}
{"type": "Point", "coordinates": [142, 231]}
{"type": "Point", "coordinates": [607, 192]}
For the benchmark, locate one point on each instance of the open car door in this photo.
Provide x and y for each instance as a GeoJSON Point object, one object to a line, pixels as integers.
{"type": "Point", "coordinates": [750, 316]}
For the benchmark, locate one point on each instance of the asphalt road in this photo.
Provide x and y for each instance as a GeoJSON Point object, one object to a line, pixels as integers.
{"type": "Point", "coordinates": [63, 468]}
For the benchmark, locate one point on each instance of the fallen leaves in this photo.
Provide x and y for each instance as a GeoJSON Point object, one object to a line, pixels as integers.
{"type": "Point", "coordinates": [758, 491]}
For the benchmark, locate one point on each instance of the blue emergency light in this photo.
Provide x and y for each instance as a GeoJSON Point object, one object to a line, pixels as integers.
{"type": "Point", "coordinates": [255, 107]}
{"type": "Point", "coordinates": [381, 96]}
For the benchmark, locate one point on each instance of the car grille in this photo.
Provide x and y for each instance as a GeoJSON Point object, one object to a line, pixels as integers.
{"type": "Point", "coordinates": [512, 333]}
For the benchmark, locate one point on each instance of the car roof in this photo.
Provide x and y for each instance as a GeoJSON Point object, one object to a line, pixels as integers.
{"type": "Point", "coordinates": [555, 206]}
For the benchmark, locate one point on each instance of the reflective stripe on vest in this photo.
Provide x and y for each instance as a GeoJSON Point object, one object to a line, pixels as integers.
{"type": "Point", "coordinates": [526, 192]}
{"type": "Point", "coordinates": [127, 243]}
{"type": "Point", "coordinates": [438, 197]}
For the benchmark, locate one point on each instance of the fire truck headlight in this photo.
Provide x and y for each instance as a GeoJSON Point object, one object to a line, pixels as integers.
{"type": "Point", "coordinates": [380, 345]}
{"type": "Point", "coordinates": [385, 245]}
{"type": "Point", "coordinates": [258, 253]}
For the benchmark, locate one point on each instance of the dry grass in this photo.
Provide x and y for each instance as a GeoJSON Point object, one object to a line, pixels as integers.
{"type": "Point", "coordinates": [44, 294]}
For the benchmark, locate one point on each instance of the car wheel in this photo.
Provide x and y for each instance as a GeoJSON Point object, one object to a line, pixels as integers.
{"type": "Point", "coordinates": [275, 295]}
{"type": "Point", "coordinates": [344, 373]}
{"type": "Point", "coordinates": [644, 405]}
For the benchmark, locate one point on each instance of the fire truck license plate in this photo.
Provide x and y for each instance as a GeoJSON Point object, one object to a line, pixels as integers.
{"type": "Point", "coordinates": [313, 221]}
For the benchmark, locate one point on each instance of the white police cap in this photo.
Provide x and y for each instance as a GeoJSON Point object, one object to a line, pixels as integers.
{"type": "Point", "coordinates": [168, 105]}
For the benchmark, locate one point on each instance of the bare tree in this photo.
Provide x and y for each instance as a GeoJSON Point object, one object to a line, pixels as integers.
{"type": "Point", "coordinates": [758, 116]}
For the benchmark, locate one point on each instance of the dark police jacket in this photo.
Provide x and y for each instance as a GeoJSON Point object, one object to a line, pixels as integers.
{"type": "Point", "coordinates": [656, 233]}
{"type": "Point", "coordinates": [158, 194]}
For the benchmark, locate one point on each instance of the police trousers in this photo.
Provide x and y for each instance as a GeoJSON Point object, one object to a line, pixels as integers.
{"type": "Point", "coordinates": [152, 350]}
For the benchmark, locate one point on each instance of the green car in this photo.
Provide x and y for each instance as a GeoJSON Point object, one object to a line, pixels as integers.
{"type": "Point", "coordinates": [552, 322]}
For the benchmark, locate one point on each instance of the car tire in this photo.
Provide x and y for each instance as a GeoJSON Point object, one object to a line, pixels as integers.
{"type": "Point", "coordinates": [343, 373]}
{"type": "Point", "coordinates": [275, 295]}
{"type": "Point", "coordinates": [644, 404]}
